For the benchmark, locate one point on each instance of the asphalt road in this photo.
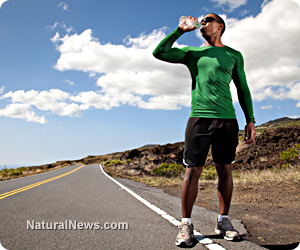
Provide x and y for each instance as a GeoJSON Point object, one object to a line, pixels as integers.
{"type": "Point", "coordinates": [84, 209]}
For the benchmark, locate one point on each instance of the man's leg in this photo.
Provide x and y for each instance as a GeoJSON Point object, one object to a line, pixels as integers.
{"type": "Point", "coordinates": [189, 190]}
{"type": "Point", "coordinates": [188, 196]}
{"type": "Point", "coordinates": [225, 187]}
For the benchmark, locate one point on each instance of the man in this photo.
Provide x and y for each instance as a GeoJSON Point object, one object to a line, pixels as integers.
{"type": "Point", "coordinates": [212, 119]}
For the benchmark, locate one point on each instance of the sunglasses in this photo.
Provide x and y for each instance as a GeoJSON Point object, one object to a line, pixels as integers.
{"type": "Point", "coordinates": [209, 19]}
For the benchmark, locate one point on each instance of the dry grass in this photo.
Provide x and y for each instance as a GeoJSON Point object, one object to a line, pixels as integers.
{"type": "Point", "coordinates": [268, 175]}
{"type": "Point", "coordinates": [159, 181]}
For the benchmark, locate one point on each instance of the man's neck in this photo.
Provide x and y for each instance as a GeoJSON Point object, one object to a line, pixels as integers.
{"type": "Point", "coordinates": [214, 42]}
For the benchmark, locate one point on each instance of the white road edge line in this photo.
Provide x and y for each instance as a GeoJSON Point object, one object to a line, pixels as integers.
{"type": "Point", "coordinates": [199, 237]}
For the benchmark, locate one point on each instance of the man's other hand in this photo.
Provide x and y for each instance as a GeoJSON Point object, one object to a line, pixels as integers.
{"type": "Point", "coordinates": [250, 132]}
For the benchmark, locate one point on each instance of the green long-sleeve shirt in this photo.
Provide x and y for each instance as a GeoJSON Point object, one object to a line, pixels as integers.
{"type": "Point", "coordinates": [212, 68]}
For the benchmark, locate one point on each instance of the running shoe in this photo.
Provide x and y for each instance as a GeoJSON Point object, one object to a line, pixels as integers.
{"type": "Point", "coordinates": [185, 234]}
{"type": "Point", "coordinates": [225, 228]}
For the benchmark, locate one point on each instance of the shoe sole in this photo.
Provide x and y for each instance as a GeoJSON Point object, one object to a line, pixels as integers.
{"type": "Point", "coordinates": [188, 243]}
{"type": "Point", "coordinates": [219, 232]}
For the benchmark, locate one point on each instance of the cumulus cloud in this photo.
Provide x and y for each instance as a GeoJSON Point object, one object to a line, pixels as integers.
{"type": "Point", "coordinates": [229, 5]}
{"type": "Point", "coordinates": [129, 74]}
{"type": "Point", "coordinates": [22, 111]}
{"type": "Point", "coordinates": [54, 101]}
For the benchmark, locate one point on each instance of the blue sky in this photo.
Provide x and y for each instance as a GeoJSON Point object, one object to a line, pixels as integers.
{"type": "Point", "coordinates": [78, 78]}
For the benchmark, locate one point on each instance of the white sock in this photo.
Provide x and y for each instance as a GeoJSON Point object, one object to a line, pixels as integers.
{"type": "Point", "coordinates": [220, 217]}
{"type": "Point", "coordinates": [189, 220]}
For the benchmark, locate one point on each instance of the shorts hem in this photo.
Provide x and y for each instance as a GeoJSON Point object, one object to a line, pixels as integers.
{"type": "Point", "coordinates": [192, 164]}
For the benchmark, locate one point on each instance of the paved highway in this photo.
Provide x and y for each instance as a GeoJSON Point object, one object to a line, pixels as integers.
{"type": "Point", "coordinates": [79, 207]}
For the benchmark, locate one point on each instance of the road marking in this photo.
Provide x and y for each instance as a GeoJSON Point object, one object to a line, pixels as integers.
{"type": "Point", "coordinates": [198, 236]}
{"type": "Point", "coordinates": [4, 195]}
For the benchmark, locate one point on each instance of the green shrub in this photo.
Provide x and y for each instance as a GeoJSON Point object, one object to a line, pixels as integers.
{"type": "Point", "coordinates": [17, 171]}
{"type": "Point", "coordinates": [114, 162]}
{"type": "Point", "coordinates": [4, 170]}
{"type": "Point", "coordinates": [209, 173]}
{"type": "Point", "coordinates": [290, 156]}
{"type": "Point", "coordinates": [169, 170]}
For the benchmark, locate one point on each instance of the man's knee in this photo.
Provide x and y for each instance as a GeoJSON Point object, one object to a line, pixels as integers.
{"type": "Point", "coordinates": [193, 173]}
{"type": "Point", "coordinates": [224, 170]}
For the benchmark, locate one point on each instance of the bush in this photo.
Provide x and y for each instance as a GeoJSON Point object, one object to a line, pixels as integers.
{"type": "Point", "coordinates": [209, 173]}
{"type": "Point", "coordinates": [114, 162]}
{"type": "Point", "coordinates": [16, 172]}
{"type": "Point", "coordinates": [169, 170]}
{"type": "Point", "coordinates": [291, 156]}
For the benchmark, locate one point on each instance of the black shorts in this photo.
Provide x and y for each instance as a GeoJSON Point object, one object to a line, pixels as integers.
{"type": "Point", "coordinates": [200, 133]}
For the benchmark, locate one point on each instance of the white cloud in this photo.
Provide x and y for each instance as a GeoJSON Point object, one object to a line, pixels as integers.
{"type": "Point", "coordinates": [58, 102]}
{"type": "Point", "coordinates": [244, 12]}
{"type": "Point", "coordinates": [229, 5]}
{"type": "Point", "coordinates": [294, 116]}
{"type": "Point", "coordinates": [22, 111]}
{"type": "Point", "coordinates": [266, 107]}
{"type": "Point", "coordinates": [63, 5]}
{"type": "Point", "coordinates": [69, 82]}
{"type": "Point", "coordinates": [1, 90]}
{"type": "Point", "coordinates": [2, 2]}
{"type": "Point", "coordinates": [56, 38]}
{"type": "Point", "coordinates": [129, 74]}
{"type": "Point", "coordinates": [53, 100]}
{"type": "Point", "coordinates": [62, 25]}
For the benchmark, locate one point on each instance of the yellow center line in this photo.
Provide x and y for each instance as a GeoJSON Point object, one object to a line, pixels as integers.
{"type": "Point", "coordinates": [4, 195]}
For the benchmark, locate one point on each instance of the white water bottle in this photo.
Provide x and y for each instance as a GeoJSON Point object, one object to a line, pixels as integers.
{"type": "Point", "coordinates": [188, 22]}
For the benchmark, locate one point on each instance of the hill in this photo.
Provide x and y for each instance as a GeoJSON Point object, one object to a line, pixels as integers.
{"type": "Point", "coordinates": [281, 122]}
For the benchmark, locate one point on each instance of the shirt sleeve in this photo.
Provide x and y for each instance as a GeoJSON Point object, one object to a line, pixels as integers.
{"type": "Point", "coordinates": [244, 95]}
{"type": "Point", "coordinates": [164, 50]}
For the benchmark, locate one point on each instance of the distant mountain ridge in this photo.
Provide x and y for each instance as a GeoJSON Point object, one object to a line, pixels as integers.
{"type": "Point", "coordinates": [280, 122]}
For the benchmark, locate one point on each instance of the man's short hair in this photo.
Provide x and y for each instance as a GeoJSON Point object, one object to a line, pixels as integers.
{"type": "Point", "coordinates": [221, 21]}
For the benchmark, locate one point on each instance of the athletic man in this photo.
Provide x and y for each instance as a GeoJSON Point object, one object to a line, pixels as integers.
{"type": "Point", "coordinates": [212, 119]}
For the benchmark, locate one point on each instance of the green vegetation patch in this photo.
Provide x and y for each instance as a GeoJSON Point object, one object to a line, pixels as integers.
{"type": "Point", "coordinates": [169, 170]}
{"type": "Point", "coordinates": [116, 162]}
{"type": "Point", "coordinates": [291, 156]}
{"type": "Point", "coordinates": [209, 173]}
